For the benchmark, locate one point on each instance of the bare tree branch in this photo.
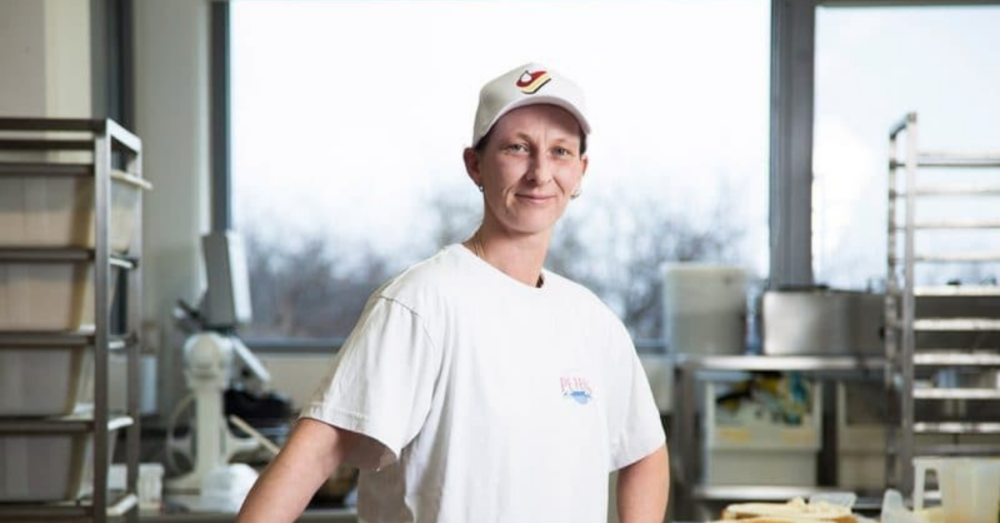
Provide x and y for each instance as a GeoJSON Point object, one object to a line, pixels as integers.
{"type": "Point", "coordinates": [616, 250]}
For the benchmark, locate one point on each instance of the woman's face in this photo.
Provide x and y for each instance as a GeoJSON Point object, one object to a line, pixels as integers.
{"type": "Point", "coordinates": [529, 169]}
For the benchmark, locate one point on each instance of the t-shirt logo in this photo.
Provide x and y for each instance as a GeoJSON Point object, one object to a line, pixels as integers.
{"type": "Point", "coordinates": [531, 81]}
{"type": "Point", "coordinates": [576, 388]}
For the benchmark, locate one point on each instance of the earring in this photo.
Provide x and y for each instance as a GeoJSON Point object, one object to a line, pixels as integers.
{"type": "Point", "coordinates": [480, 188]}
{"type": "Point", "coordinates": [576, 194]}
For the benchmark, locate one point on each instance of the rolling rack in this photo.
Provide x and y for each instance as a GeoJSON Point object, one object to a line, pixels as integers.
{"type": "Point", "coordinates": [44, 148]}
{"type": "Point", "coordinates": [919, 316]}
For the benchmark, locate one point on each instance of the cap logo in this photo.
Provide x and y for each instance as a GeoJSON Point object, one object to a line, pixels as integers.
{"type": "Point", "coordinates": [530, 82]}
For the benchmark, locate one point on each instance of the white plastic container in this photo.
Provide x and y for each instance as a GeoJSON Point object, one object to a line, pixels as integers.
{"type": "Point", "coordinates": [150, 484]}
{"type": "Point", "coordinates": [704, 308]}
{"type": "Point", "coordinates": [48, 296]}
{"type": "Point", "coordinates": [48, 467]}
{"type": "Point", "coordinates": [44, 381]}
{"type": "Point", "coordinates": [970, 487]}
{"type": "Point", "coordinates": [41, 211]}
{"type": "Point", "coordinates": [761, 452]}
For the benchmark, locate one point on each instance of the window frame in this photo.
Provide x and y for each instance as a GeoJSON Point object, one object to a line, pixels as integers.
{"type": "Point", "coordinates": [793, 56]}
{"type": "Point", "coordinates": [792, 90]}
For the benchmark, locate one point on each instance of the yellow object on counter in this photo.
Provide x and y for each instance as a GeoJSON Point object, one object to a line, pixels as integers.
{"type": "Point", "coordinates": [930, 515]}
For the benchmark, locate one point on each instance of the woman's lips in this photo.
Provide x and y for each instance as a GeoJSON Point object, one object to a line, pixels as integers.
{"type": "Point", "coordinates": [536, 198]}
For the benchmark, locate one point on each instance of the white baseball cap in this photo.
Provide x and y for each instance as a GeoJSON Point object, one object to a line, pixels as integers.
{"type": "Point", "coordinates": [529, 84]}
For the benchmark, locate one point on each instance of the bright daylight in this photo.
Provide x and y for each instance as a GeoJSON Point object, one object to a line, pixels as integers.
{"type": "Point", "coordinates": [500, 261]}
{"type": "Point", "coordinates": [376, 180]}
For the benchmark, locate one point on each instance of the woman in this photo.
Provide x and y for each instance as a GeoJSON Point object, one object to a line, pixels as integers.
{"type": "Point", "coordinates": [478, 386]}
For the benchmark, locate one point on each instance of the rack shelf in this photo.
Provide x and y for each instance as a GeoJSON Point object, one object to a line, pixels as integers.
{"type": "Point", "coordinates": [43, 168]}
{"type": "Point", "coordinates": [41, 255]}
{"type": "Point", "coordinates": [62, 339]}
{"type": "Point", "coordinates": [781, 363]}
{"type": "Point", "coordinates": [956, 394]}
{"type": "Point", "coordinates": [61, 425]}
{"type": "Point", "coordinates": [955, 427]}
{"type": "Point", "coordinates": [956, 324]}
{"type": "Point", "coordinates": [956, 291]}
{"type": "Point", "coordinates": [958, 450]}
{"type": "Point", "coordinates": [57, 141]}
{"type": "Point", "coordinates": [120, 506]}
{"type": "Point", "coordinates": [957, 359]}
{"type": "Point", "coordinates": [902, 316]}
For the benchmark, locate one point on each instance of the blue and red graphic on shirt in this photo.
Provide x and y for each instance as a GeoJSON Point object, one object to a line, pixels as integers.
{"type": "Point", "coordinates": [576, 388]}
{"type": "Point", "coordinates": [531, 81]}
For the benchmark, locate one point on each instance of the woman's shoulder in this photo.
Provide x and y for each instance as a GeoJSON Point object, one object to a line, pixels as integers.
{"type": "Point", "coordinates": [429, 280]}
{"type": "Point", "coordinates": [580, 297]}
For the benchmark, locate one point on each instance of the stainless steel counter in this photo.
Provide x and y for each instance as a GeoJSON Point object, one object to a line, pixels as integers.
{"type": "Point", "coordinates": [178, 509]}
{"type": "Point", "coordinates": [332, 515]}
{"type": "Point", "coordinates": [686, 455]}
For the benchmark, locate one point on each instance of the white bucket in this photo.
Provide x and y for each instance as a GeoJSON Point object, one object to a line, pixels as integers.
{"type": "Point", "coordinates": [970, 487]}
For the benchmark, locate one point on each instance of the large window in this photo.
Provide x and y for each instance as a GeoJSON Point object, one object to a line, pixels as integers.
{"type": "Point", "coordinates": [349, 119]}
{"type": "Point", "coordinates": [873, 65]}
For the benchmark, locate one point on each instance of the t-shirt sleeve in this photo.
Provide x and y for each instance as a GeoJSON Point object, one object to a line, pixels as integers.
{"type": "Point", "coordinates": [638, 431]}
{"type": "Point", "coordinates": [381, 383]}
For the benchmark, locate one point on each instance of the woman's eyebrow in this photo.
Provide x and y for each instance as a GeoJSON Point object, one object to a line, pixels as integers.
{"type": "Point", "coordinates": [558, 138]}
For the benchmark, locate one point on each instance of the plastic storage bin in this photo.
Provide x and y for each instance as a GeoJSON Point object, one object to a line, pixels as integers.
{"type": "Point", "coordinates": [761, 452]}
{"type": "Point", "coordinates": [39, 211]}
{"type": "Point", "coordinates": [49, 467]}
{"type": "Point", "coordinates": [48, 296]}
{"type": "Point", "coordinates": [44, 381]}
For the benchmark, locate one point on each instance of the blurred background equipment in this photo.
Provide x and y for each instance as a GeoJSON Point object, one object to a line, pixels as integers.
{"type": "Point", "coordinates": [762, 431]}
{"type": "Point", "coordinates": [818, 320]}
{"type": "Point", "coordinates": [216, 359]}
{"type": "Point", "coordinates": [705, 308]}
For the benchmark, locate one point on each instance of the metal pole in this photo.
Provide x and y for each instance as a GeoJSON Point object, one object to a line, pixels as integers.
{"type": "Point", "coordinates": [891, 318]}
{"type": "Point", "coordinates": [102, 319]}
{"type": "Point", "coordinates": [906, 439]}
{"type": "Point", "coordinates": [221, 145]}
{"type": "Point", "coordinates": [134, 325]}
{"type": "Point", "coordinates": [793, 24]}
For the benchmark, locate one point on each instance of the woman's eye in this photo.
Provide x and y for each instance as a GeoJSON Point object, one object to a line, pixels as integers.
{"type": "Point", "coordinates": [517, 147]}
{"type": "Point", "coordinates": [562, 151]}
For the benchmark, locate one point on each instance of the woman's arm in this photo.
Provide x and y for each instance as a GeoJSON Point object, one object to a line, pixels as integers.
{"type": "Point", "coordinates": [643, 489]}
{"type": "Point", "coordinates": [310, 456]}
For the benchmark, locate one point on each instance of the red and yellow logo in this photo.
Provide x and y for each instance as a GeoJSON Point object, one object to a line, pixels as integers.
{"type": "Point", "coordinates": [531, 81]}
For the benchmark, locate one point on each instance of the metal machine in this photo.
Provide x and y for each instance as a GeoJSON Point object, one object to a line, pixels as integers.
{"type": "Point", "coordinates": [214, 359]}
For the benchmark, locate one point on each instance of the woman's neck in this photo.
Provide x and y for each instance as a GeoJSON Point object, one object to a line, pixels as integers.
{"type": "Point", "coordinates": [519, 257]}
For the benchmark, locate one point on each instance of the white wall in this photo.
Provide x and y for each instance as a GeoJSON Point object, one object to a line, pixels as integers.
{"type": "Point", "coordinates": [22, 58]}
{"type": "Point", "coordinates": [172, 118]}
{"type": "Point", "coordinates": [68, 87]}
{"type": "Point", "coordinates": [45, 58]}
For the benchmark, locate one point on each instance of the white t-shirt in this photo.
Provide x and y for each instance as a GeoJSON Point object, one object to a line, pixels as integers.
{"type": "Point", "coordinates": [487, 400]}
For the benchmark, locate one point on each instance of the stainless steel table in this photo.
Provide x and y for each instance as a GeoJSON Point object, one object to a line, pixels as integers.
{"type": "Point", "coordinates": [685, 453]}
{"type": "Point", "coordinates": [179, 510]}
{"type": "Point", "coordinates": [344, 515]}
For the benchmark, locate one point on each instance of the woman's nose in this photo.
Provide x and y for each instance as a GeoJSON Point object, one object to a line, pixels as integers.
{"type": "Point", "coordinates": [540, 169]}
